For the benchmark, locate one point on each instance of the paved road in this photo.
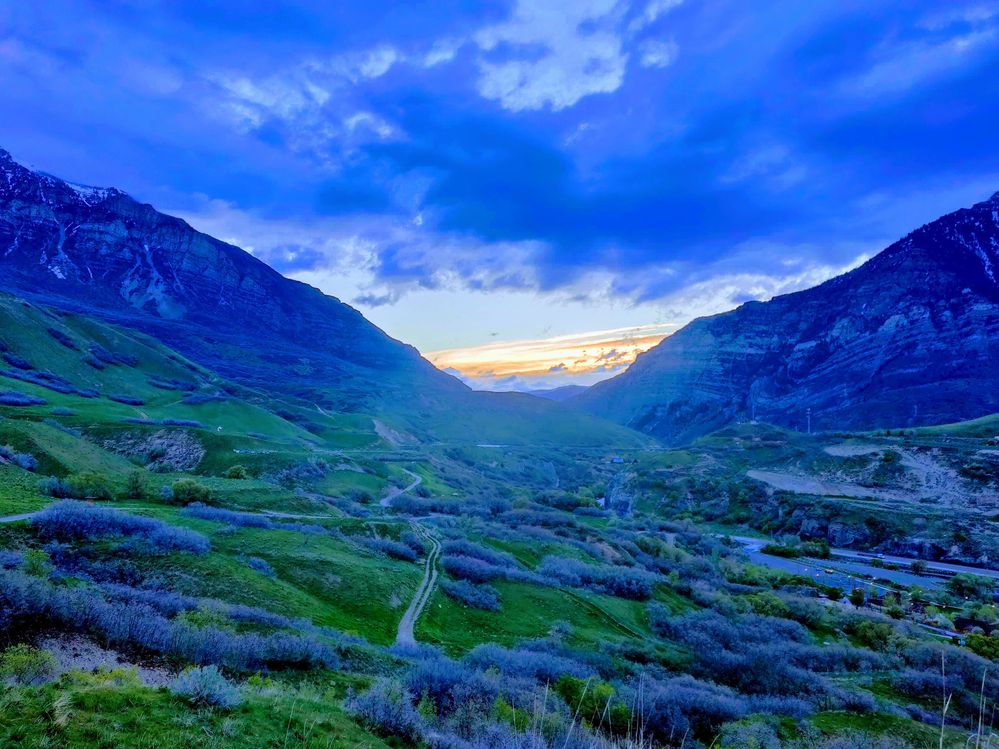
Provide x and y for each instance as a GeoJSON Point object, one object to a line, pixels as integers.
{"type": "Point", "coordinates": [866, 556]}
{"type": "Point", "coordinates": [386, 501]}
{"type": "Point", "coordinates": [405, 634]}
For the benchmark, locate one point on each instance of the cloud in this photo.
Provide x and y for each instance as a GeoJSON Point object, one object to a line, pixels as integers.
{"type": "Point", "coordinates": [577, 354]}
{"type": "Point", "coordinates": [552, 54]}
{"type": "Point", "coordinates": [953, 41]}
{"type": "Point", "coordinates": [652, 12]}
{"type": "Point", "coordinates": [658, 54]}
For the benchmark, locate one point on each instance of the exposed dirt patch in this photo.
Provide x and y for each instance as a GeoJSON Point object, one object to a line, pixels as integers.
{"type": "Point", "coordinates": [76, 653]}
{"type": "Point", "coordinates": [166, 450]}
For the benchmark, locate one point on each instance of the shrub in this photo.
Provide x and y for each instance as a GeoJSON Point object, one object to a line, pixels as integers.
{"type": "Point", "coordinates": [237, 472]}
{"type": "Point", "coordinates": [966, 585]}
{"type": "Point", "coordinates": [190, 423]}
{"type": "Point", "coordinates": [13, 398]}
{"type": "Point", "coordinates": [197, 399]}
{"type": "Point", "coordinates": [90, 485]}
{"type": "Point", "coordinates": [206, 687]}
{"type": "Point", "coordinates": [24, 664]}
{"type": "Point", "coordinates": [984, 645]}
{"type": "Point", "coordinates": [387, 708]}
{"type": "Point", "coordinates": [68, 520]}
{"type": "Point", "coordinates": [17, 361]}
{"type": "Point", "coordinates": [63, 338]}
{"type": "Point", "coordinates": [186, 491]}
{"type": "Point", "coordinates": [541, 665]}
{"type": "Point", "coordinates": [261, 566]}
{"type": "Point", "coordinates": [595, 702]}
{"type": "Point", "coordinates": [123, 622]}
{"type": "Point", "coordinates": [246, 519]}
{"type": "Point", "coordinates": [483, 597]}
{"type": "Point", "coordinates": [473, 570]}
{"type": "Point", "coordinates": [54, 487]}
{"type": "Point", "coordinates": [390, 548]}
{"type": "Point", "coordinates": [26, 461]}
{"type": "Point", "coordinates": [135, 485]}
{"type": "Point", "coordinates": [36, 563]}
{"type": "Point", "coordinates": [164, 383]}
{"type": "Point", "coordinates": [128, 400]}
{"type": "Point", "coordinates": [623, 582]}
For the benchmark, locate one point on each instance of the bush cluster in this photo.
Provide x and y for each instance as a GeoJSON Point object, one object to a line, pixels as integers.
{"type": "Point", "coordinates": [69, 520]}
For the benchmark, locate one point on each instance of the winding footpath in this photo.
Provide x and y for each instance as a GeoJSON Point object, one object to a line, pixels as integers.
{"type": "Point", "coordinates": [386, 501]}
{"type": "Point", "coordinates": [18, 518]}
{"type": "Point", "coordinates": [423, 593]}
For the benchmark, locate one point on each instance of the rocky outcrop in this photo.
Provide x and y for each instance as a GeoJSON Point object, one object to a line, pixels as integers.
{"type": "Point", "coordinates": [909, 338]}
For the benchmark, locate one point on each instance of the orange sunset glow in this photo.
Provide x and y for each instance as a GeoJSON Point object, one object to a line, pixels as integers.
{"type": "Point", "coordinates": [595, 354]}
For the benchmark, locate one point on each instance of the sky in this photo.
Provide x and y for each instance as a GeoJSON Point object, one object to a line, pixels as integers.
{"type": "Point", "coordinates": [528, 191]}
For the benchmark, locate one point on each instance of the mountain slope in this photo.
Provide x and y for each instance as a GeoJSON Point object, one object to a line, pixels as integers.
{"type": "Point", "coordinates": [99, 252]}
{"type": "Point", "coordinates": [909, 338]}
{"type": "Point", "coordinates": [98, 248]}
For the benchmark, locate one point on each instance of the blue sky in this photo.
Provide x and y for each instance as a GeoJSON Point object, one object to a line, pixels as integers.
{"type": "Point", "coordinates": [469, 174]}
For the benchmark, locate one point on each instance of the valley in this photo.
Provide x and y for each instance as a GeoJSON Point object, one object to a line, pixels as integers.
{"type": "Point", "coordinates": [214, 536]}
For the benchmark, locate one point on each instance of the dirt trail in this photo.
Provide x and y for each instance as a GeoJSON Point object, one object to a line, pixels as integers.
{"type": "Point", "coordinates": [423, 593]}
{"type": "Point", "coordinates": [386, 501]}
{"type": "Point", "coordinates": [18, 518]}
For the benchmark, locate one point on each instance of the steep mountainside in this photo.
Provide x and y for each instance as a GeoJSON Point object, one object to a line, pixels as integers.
{"type": "Point", "coordinates": [98, 248]}
{"type": "Point", "coordinates": [909, 338]}
{"type": "Point", "coordinates": [98, 251]}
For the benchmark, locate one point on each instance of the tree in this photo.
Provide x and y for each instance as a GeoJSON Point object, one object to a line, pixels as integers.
{"type": "Point", "coordinates": [135, 485]}
{"type": "Point", "coordinates": [237, 472]}
{"type": "Point", "coordinates": [90, 485]}
{"type": "Point", "coordinates": [857, 597]}
{"type": "Point", "coordinates": [186, 491]}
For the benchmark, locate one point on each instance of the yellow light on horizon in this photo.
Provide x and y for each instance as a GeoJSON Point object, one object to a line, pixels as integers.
{"type": "Point", "coordinates": [575, 354]}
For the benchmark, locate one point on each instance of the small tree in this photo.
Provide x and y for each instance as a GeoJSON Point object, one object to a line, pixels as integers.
{"type": "Point", "coordinates": [857, 597]}
{"type": "Point", "coordinates": [90, 485]}
{"type": "Point", "coordinates": [186, 491]}
{"type": "Point", "coordinates": [237, 472]}
{"type": "Point", "coordinates": [135, 485]}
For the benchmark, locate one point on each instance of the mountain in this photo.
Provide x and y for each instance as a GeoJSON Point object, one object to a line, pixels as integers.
{"type": "Point", "coordinates": [560, 393]}
{"type": "Point", "coordinates": [97, 251]}
{"type": "Point", "coordinates": [909, 338]}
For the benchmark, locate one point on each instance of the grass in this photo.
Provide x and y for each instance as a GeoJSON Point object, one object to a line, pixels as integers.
{"type": "Point", "coordinates": [76, 712]}
{"type": "Point", "coordinates": [918, 734]}
{"type": "Point", "coordinates": [529, 611]}
{"type": "Point", "coordinates": [19, 491]}
{"type": "Point", "coordinates": [320, 578]}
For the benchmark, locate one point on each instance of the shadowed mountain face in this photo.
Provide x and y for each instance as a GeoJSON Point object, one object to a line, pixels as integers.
{"type": "Point", "coordinates": [98, 250]}
{"type": "Point", "coordinates": [909, 338]}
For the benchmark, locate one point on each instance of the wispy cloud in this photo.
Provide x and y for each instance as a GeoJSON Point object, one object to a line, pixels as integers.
{"type": "Point", "coordinates": [581, 357]}
{"type": "Point", "coordinates": [554, 54]}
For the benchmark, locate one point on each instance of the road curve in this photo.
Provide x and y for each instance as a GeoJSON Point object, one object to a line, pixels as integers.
{"type": "Point", "coordinates": [422, 596]}
{"type": "Point", "coordinates": [386, 501]}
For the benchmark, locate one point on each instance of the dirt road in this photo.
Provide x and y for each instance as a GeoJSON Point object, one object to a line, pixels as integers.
{"type": "Point", "coordinates": [386, 501]}
{"type": "Point", "coordinates": [423, 593]}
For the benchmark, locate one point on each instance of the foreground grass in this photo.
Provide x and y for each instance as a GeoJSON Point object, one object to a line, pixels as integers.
{"type": "Point", "coordinates": [78, 711]}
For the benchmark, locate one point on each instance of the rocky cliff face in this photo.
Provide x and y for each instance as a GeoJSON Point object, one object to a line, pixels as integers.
{"type": "Point", "coordinates": [100, 251]}
{"type": "Point", "coordinates": [909, 338]}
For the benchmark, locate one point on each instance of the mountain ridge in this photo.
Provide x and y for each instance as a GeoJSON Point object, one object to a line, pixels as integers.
{"type": "Point", "coordinates": [902, 340]}
{"type": "Point", "coordinates": [98, 251]}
